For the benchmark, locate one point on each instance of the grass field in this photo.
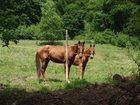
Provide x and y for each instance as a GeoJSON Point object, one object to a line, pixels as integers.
{"type": "Point", "coordinates": [17, 68]}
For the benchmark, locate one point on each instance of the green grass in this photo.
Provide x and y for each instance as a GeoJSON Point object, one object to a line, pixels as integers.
{"type": "Point", "coordinates": [17, 68]}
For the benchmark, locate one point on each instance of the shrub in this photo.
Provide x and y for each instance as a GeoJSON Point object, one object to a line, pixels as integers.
{"type": "Point", "coordinates": [106, 37]}
{"type": "Point", "coordinates": [122, 40]}
{"type": "Point", "coordinates": [79, 37]}
{"type": "Point", "coordinates": [135, 42]}
{"type": "Point", "coordinates": [119, 39]}
{"type": "Point", "coordinates": [30, 32]}
{"type": "Point", "coordinates": [99, 38]}
{"type": "Point", "coordinates": [8, 35]}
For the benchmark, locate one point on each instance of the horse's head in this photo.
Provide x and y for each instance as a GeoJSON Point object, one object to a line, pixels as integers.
{"type": "Point", "coordinates": [80, 48]}
{"type": "Point", "coordinates": [92, 50]}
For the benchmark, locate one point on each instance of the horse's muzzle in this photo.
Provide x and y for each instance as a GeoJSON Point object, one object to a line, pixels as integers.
{"type": "Point", "coordinates": [80, 55]}
{"type": "Point", "coordinates": [91, 56]}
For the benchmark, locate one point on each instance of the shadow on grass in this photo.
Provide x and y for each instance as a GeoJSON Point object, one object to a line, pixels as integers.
{"type": "Point", "coordinates": [10, 95]}
{"type": "Point", "coordinates": [76, 83]}
{"type": "Point", "coordinates": [19, 96]}
{"type": "Point", "coordinates": [40, 43]}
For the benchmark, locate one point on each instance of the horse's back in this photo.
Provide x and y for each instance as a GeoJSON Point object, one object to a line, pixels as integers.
{"type": "Point", "coordinates": [55, 53]}
{"type": "Point", "coordinates": [43, 51]}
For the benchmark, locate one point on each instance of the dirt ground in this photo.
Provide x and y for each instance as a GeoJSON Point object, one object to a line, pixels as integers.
{"type": "Point", "coordinates": [123, 93]}
{"type": "Point", "coordinates": [97, 94]}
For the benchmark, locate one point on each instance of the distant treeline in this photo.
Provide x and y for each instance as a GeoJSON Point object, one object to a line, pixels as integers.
{"type": "Point", "coordinates": [101, 20]}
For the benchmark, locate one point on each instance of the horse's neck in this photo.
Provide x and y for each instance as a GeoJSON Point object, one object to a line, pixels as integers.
{"type": "Point", "coordinates": [86, 56]}
{"type": "Point", "coordinates": [87, 52]}
{"type": "Point", "coordinates": [74, 48]}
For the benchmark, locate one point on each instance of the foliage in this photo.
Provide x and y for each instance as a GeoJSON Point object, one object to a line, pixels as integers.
{"type": "Point", "coordinates": [105, 37]}
{"type": "Point", "coordinates": [119, 39]}
{"type": "Point", "coordinates": [51, 23]}
{"type": "Point", "coordinates": [28, 32]}
{"type": "Point", "coordinates": [79, 37]}
{"type": "Point", "coordinates": [138, 60]}
{"type": "Point", "coordinates": [8, 35]}
{"type": "Point", "coordinates": [17, 12]}
{"type": "Point", "coordinates": [73, 17]}
{"type": "Point", "coordinates": [122, 40]}
{"type": "Point", "coordinates": [120, 14]}
{"type": "Point", "coordinates": [88, 31]}
{"type": "Point", "coordinates": [133, 26]}
{"type": "Point", "coordinates": [135, 42]}
{"type": "Point", "coordinates": [80, 17]}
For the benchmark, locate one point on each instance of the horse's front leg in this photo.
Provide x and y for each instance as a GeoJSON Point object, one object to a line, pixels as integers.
{"type": "Point", "coordinates": [81, 71]}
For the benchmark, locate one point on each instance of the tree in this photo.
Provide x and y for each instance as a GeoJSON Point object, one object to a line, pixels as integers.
{"type": "Point", "coordinates": [74, 17]}
{"type": "Point", "coordinates": [133, 26]}
{"type": "Point", "coordinates": [51, 23]}
{"type": "Point", "coordinates": [17, 12]}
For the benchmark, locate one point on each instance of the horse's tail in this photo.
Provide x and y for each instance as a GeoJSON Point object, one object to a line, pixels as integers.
{"type": "Point", "coordinates": [37, 61]}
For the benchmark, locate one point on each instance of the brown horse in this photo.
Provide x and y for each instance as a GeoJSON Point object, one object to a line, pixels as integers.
{"type": "Point", "coordinates": [82, 62]}
{"type": "Point", "coordinates": [57, 55]}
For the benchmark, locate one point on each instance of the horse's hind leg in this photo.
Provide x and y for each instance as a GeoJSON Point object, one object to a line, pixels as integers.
{"type": "Point", "coordinates": [44, 66]}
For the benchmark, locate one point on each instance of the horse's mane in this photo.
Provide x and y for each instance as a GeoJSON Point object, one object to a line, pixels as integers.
{"type": "Point", "coordinates": [74, 47]}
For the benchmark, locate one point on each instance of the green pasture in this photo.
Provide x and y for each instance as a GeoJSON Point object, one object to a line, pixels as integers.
{"type": "Point", "coordinates": [17, 67]}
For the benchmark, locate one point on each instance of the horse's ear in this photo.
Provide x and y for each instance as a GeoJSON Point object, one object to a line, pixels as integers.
{"type": "Point", "coordinates": [90, 45]}
{"type": "Point", "coordinates": [84, 42]}
{"type": "Point", "coordinates": [79, 42]}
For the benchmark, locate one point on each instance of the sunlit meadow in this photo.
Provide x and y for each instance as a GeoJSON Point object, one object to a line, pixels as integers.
{"type": "Point", "coordinates": [17, 67]}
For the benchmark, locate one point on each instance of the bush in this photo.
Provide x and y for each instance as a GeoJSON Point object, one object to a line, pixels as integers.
{"type": "Point", "coordinates": [8, 35]}
{"type": "Point", "coordinates": [122, 40]}
{"type": "Point", "coordinates": [119, 39]}
{"type": "Point", "coordinates": [135, 42]}
{"type": "Point", "coordinates": [106, 37]}
{"type": "Point", "coordinates": [79, 37]}
{"type": "Point", "coordinates": [133, 26]}
{"type": "Point", "coordinates": [30, 32]}
{"type": "Point", "coordinates": [99, 39]}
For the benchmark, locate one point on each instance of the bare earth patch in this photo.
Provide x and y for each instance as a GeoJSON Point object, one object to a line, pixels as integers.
{"type": "Point", "coordinates": [124, 92]}
{"type": "Point", "coordinates": [98, 94]}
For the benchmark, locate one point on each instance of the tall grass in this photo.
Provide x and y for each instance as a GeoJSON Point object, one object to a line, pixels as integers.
{"type": "Point", "coordinates": [17, 67]}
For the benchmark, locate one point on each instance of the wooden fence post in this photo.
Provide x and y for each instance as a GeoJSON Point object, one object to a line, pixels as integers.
{"type": "Point", "coordinates": [67, 79]}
